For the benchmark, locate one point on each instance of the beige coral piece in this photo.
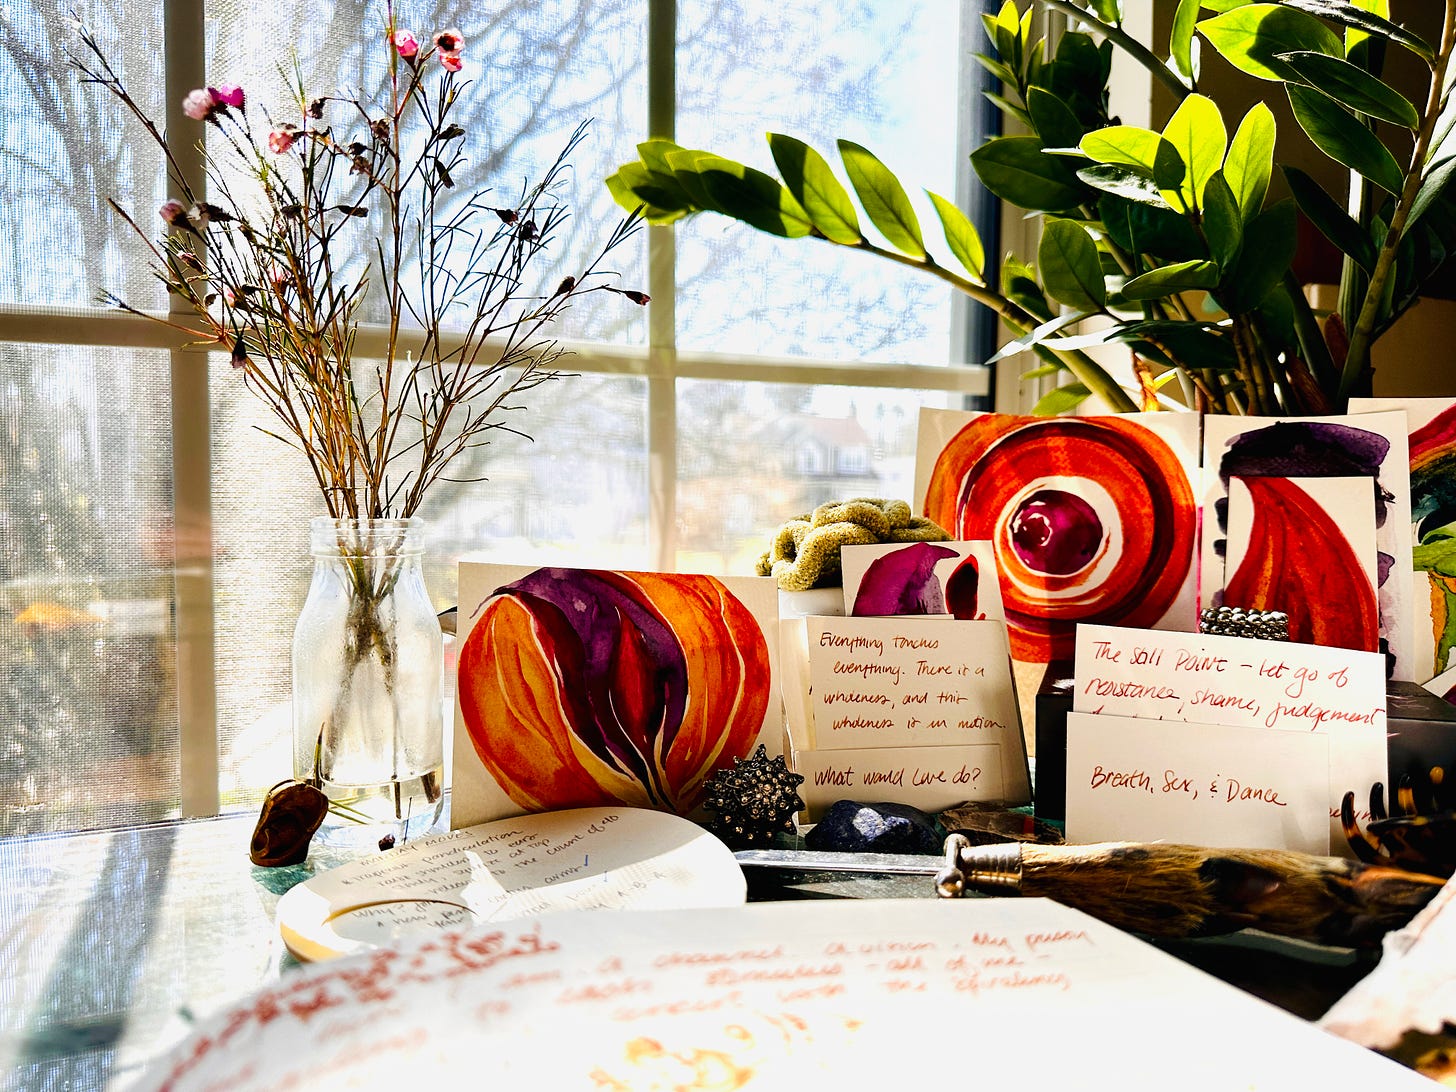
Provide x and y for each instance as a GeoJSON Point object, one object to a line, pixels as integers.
{"type": "Point", "coordinates": [805, 550]}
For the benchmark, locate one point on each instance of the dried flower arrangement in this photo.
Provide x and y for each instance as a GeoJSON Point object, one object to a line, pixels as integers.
{"type": "Point", "coordinates": [302, 219]}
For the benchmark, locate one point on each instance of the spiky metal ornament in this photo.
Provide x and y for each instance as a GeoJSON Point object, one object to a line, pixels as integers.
{"type": "Point", "coordinates": [754, 800]}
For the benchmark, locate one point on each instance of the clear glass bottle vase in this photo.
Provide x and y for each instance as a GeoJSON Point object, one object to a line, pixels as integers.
{"type": "Point", "coordinates": [368, 677]}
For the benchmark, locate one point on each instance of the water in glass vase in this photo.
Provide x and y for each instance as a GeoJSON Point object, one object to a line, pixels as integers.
{"type": "Point", "coordinates": [368, 677]}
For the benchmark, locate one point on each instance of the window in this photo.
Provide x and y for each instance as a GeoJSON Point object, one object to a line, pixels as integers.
{"type": "Point", "coordinates": [152, 539]}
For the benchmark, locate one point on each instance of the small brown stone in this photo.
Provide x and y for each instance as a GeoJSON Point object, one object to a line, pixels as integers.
{"type": "Point", "coordinates": [292, 811]}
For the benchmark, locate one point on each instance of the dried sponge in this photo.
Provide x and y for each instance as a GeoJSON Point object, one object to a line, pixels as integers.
{"type": "Point", "coordinates": [805, 550]}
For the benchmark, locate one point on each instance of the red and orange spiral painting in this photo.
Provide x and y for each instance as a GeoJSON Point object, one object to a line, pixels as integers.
{"type": "Point", "coordinates": [583, 687]}
{"type": "Point", "coordinates": [1091, 519]}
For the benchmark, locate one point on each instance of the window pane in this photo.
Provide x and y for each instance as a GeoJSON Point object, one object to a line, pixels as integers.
{"type": "Point", "coordinates": [87, 656]}
{"type": "Point", "coordinates": [536, 72]}
{"type": "Point", "coordinates": [882, 75]}
{"type": "Point", "coordinates": [753, 455]}
{"type": "Point", "coordinates": [65, 147]}
{"type": "Point", "coordinates": [576, 495]}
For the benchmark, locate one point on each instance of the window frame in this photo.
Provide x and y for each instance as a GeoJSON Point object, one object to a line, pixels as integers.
{"type": "Point", "coordinates": [658, 362]}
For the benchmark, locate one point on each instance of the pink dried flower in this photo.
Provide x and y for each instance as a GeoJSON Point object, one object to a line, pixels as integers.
{"type": "Point", "coordinates": [450, 41]}
{"type": "Point", "coordinates": [282, 138]}
{"type": "Point", "coordinates": [199, 105]}
{"type": "Point", "coordinates": [229, 297]}
{"type": "Point", "coordinates": [406, 44]}
{"type": "Point", "coordinates": [450, 61]}
{"type": "Point", "coordinates": [229, 94]}
{"type": "Point", "coordinates": [174, 212]}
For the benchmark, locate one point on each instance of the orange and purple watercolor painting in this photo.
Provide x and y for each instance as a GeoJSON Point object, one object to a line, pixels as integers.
{"type": "Point", "coordinates": [1091, 519]}
{"type": "Point", "coordinates": [1299, 558]}
{"type": "Point", "coordinates": [583, 687]}
{"type": "Point", "coordinates": [1433, 515]}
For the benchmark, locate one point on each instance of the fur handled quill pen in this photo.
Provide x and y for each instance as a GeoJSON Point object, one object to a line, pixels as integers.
{"type": "Point", "coordinates": [1170, 890]}
{"type": "Point", "coordinates": [1162, 889]}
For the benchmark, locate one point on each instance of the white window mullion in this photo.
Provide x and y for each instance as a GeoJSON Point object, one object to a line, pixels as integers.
{"type": "Point", "coordinates": [185, 39]}
{"type": "Point", "coordinates": [662, 312]}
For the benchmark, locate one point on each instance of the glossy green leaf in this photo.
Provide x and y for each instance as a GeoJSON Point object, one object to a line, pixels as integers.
{"type": "Point", "coordinates": [1332, 221]}
{"type": "Point", "coordinates": [1015, 169]}
{"type": "Point", "coordinates": [757, 199]}
{"type": "Point", "coordinates": [1171, 175]}
{"type": "Point", "coordinates": [1070, 269]}
{"type": "Point", "coordinates": [1433, 186]}
{"type": "Point", "coordinates": [1225, 5]}
{"type": "Point", "coordinates": [1197, 133]}
{"type": "Point", "coordinates": [1186, 344]}
{"type": "Point", "coordinates": [683, 164]}
{"type": "Point", "coordinates": [1005, 30]}
{"type": "Point", "coordinates": [1057, 126]}
{"type": "Point", "coordinates": [1062, 400]}
{"type": "Point", "coordinates": [1124, 144]}
{"type": "Point", "coordinates": [1269, 242]}
{"type": "Point", "coordinates": [1001, 71]}
{"type": "Point", "coordinates": [1009, 108]}
{"type": "Point", "coordinates": [1355, 40]}
{"type": "Point", "coordinates": [1252, 36]}
{"type": "Point", "coordinates": [1126, 182]}
{"type": "Point", "coordinates": [1018, 284]}
{"type": "Point", "coordinates": [1167, 280]}
{"type": "Point", "coordinates": [1223, 223]}
{"type": "Point", "coordinates": [1144, 229]}
{"type": "Point", "coordinates": [811, 181]}
{"type": "Point", "coordinates": [654, 154]}
{"type": "Point", "coordinates": [1109, 11]}
{"type": "Point", "coordinates": [1353, 87]}
{"type": "Point", "coordinates": [1043, 371]}
{"type": "Point", "coordinates": [1358, 18]}
{"type": "Point", "coordinates": [1180, 41]}
{"type": "Point", "coordinates": [660, 197]}
{"type": "Point", "coordinates": [1250, 160]}
{"type": "Point", "coordinates": [960, 235]}
{"type": "Point", "coordinates": [883, 199]}
{"type": "Point", "coordinates": [1336, 133]}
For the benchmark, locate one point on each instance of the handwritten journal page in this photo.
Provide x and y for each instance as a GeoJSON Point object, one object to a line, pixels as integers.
{"type": "Point", "coordinates": [565, 860]}
{"type": "Point", "coordinates": [1013, 993]}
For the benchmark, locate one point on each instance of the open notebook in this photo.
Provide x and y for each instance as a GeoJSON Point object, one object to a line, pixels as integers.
{"type": "Point", "coordinates": [997, 993]}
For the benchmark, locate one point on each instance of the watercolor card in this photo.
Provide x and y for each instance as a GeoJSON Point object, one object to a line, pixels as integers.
{"type": "Point", "coordinates": [1432, 427]}
{"type": "Point", "coordinates": [1090, 519]}
{"type": "Point", "coordinates": [1322, 529]}
{"type": "Point", "coordinates": [588, 687]}
{"type": "Point", "coordinates": [1372, 446]}
{"type": "Point", "coordinates": [946, 579]}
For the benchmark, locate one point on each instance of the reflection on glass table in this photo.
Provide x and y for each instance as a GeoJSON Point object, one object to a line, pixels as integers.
{"type": "Point", "coordinates": [114, 944]}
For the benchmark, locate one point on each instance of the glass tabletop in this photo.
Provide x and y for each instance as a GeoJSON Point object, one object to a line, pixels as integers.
{"type": "Point", "coordinates": [114, 944]}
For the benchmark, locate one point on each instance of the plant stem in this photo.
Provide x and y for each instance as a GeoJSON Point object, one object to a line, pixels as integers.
{"type": "Point", "coordinates": [1357, 359]}
{"type": "Point", "coordinates": [1086, 370]}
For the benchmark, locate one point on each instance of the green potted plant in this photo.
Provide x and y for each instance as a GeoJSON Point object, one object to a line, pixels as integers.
{"type": "Point", "coordinates": [1172, 238]}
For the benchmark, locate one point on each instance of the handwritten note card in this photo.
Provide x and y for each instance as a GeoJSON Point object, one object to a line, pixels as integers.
{"type": "Point", "coordinates": [577, 859]}
{"type": "Point", "coordinates": [931, 778]}
{"type": "Point", "coordinates": [908, 683]}
{"type": "Point", "coordinates": [1135, 780]}
{"type": "Point", "coordinates": [770, 996]}
{"type": "Point", "coordinates": [1239, 683]}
